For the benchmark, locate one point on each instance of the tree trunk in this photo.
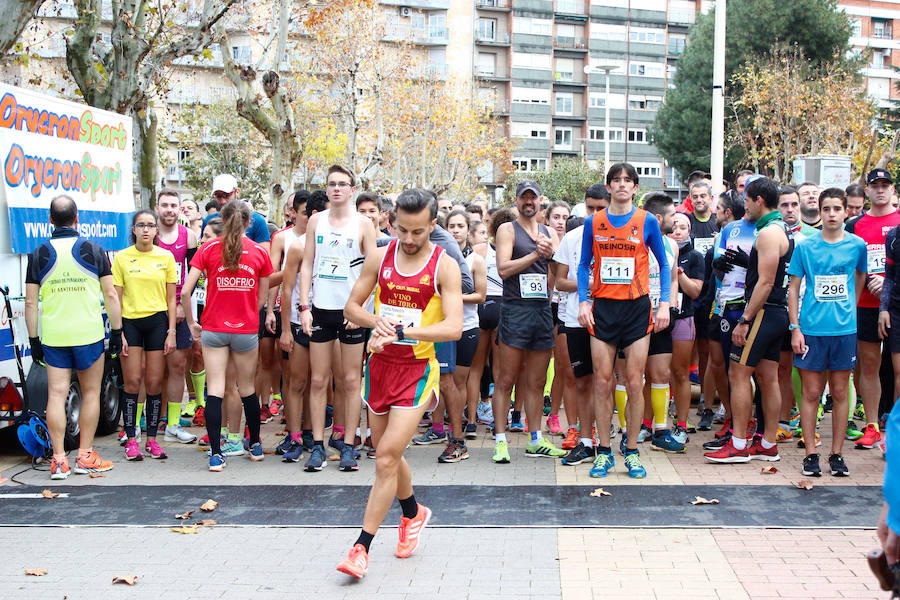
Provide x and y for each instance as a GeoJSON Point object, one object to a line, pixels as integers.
{"type": "Point", "coordinates": [146, 129]}
{"type": "Point", "coordinates": [16, 15]}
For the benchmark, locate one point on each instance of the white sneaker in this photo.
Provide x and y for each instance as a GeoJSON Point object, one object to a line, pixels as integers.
{"type": "Point", "coordinates": [176, 433]}
{"type": "Point", "coordinates": [613, 430]}
{"type": "Point", "coordinates": [719, 417]}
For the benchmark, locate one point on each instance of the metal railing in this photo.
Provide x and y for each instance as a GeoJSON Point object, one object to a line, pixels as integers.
{"type": "Point", "coordinates": [492, 3]}
{"type": "Point", "coordinates": [577, 43]}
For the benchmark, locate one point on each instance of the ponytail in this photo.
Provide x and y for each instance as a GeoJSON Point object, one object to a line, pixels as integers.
{"type": "Point", "coordinates": [236, 216]}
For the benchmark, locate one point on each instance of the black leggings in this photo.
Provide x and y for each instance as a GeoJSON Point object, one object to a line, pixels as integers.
{"type": "Point", "coordinates": [213, 415]}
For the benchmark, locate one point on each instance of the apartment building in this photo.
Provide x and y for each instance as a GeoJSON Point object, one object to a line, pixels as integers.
{"type": "Point", "coordinates": [874, 25]}
{"type": "Point", "coordinates": [541, 67]}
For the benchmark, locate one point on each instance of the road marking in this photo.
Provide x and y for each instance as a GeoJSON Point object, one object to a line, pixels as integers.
{"type": "Point", "coordinates": [28, 496]}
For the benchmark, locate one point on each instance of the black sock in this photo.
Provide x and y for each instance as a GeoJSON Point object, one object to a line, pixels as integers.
{"type": "Point", "coordinates": [129, 413]}
{"type": "Point", "coordinates": [603, 450]}
{"type": "Point", "coordinates": [409, 507]}
{"type": "Point", "coordinates": [251, 413]}
{"type": "Point", "coordinates": [154, 408]}
{"type": "Point", "coordinates": [365, 538]}
{"type": "Point", "coordinates": [318, 444]}
{"type": "Point", "coordinates": [213, 416]}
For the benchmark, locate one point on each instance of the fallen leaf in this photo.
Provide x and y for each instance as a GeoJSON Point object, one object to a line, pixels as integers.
{"type": "Point", "coordinates": [49, 494]}
{"type": "Point", "coordinates": [36, 572]}
{"type": "Point", "coordinates": [209, 506]}
{"type": "Point", "coordinates": [281, 433]}
{"type": "Point", "coordinates": [702, 500]}
{"type": "Point", "coordinates": [206, 522]}
{"type": "Point", "coordinates": [95, 475]}
{"type": "Point", "coordinates": [334, 457]}
{"type": "Point", "coordinates": [769, 470]}
{"type": "Point", "coordinates": [804, 484]}
{"type": "Point", "coordinates": [185, 529]}
{"type": "Point", "coordinates": [129, 579]}
{"type": "Point", "coordinates": [268, 451]}
{"type": "Point", "coordinates": [186, 515]}
{"type": "Point", "coordinates": [600, 492]}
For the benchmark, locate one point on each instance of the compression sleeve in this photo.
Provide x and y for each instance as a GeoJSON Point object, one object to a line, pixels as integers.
{"type": "Point", "coordinates": [584, 263]}
{"type": "Point", "coordinates": [890, 269]}
{"type": "Point", "coordinates": [653, 239]}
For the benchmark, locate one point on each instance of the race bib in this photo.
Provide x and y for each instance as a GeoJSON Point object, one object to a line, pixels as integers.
{"type": "Point", "coordinates": [533, 285]}
{"type": "Point", "coordinates": [335, 268]}
{"type": "Point", "coordinates": [875, 258]}
{"type": "Point", "coordinates": [199, 295]}
{"type": "Point", "coordinates": [701, 245]}
{"type": "Point", "coordinates": [617, 270]}
{"type": "Point", "coordinates": [679, 299]}
{"type": "Point", "coordinates": [408, 317]}
{"type": "Point", "coordinates": [831, 288]}
{"type": "Point", "coordinates": [179, 274]}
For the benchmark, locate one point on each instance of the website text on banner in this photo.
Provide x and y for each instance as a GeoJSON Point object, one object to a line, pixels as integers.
{"type": "Point", "coordinates": [51, 147]}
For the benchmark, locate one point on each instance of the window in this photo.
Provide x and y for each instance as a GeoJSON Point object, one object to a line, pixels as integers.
{"type": "Point", "coordinates": [676, 43]}
{"type": "Point", "coordinates": [487, 63]}
{"type": "Point", "coordinates": [529, 60]}
{"type": "Point", "coordinates": [646, 69]}
{"type": "Point", "coordinates": [605, 31]}
{"type": "Point", "coordinates": [437, 26]}
{"type": "Point", "coordinates": [531, 95]}
{"type": "Point", "coordinates": [647, 170]}
{"type": "Point", "coordinates": [879, 87]}
{"type": "Point", "coordinates": [598, 100]}
{"type": "Point", "coordinates": [240, 53]}
{"type": "Point", "coordinates": [644, 103]}
{"type": "Point", "coordinates": [529, 164]}
{"type": "Point", "coordinates": [183, 155]}
{"type": "Point", "coordinates": [487, 29]}
{"type": "Point", "coordinates": [647, 36]}
{"type": "Point", "coordinates": [877, 59]}
{"type": "Point", "coordinates": [638, 136]}
{"type": "Point", "coordinates": [539, 131]}
{"type": "Point", "coordinates": [855, 28]}
{"type": "Point", "coordinates": [564, 104]}
{"type": "Point", "coordinates": [532, 26]}
{"type": "Point", "coordinates": [565, 69]}
{"type": "Point", "coordinates": [881, 29]}
{"type": "Point", "coordinates": [417, 21]}
{"type": "Point", "coordinates": [595, 134]}
{"type": "Point", "coordinates": [562, 138]}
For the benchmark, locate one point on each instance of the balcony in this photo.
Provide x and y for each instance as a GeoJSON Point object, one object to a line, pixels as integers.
{"type": "Point", "coordinates": [497, 109]}
{"type": "Point", "coordinates": [498, 39]}
{"type": "Point", "coordinates": [575, 115]}
{"type": "Point", "coordinates": [568, 78]}
{"type": "Point", "coordinates": [885, 33]}
{"type": "Point", "coordinates": [682, 16]}
{"type": "Point", "coordinates": [492, 4]}
{"type": "Point", "coordinates": [432, 70]}
{"type": "Point", "coordinates": [571, 7]}
{"type": "Point", "coordinates": [434, 35]}
{"type": "Point", "coordinates": [490, 74]}
{"type": "Point", "coordinates": [570, 43]}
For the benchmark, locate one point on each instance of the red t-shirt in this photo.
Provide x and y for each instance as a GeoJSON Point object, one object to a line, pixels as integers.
{"type": "Point", "coordinates": [231, 296]}
{"type": "Point", "coordinates": [873, 230]}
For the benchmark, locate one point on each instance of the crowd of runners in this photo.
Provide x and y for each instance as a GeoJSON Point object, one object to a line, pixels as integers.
{"type": "Point", "coordinates": [440, 318]}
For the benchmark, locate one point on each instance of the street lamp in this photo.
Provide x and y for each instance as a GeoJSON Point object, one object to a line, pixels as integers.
{"type": "Point", "coordinates": [606, 70]}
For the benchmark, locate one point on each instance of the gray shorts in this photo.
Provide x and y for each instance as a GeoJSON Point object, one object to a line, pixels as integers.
{"type": "Point", "coordinates": [239, 342]}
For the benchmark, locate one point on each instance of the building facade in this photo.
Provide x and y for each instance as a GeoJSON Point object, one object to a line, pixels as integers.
{"type": "Point", "coordinates": [873, 26]}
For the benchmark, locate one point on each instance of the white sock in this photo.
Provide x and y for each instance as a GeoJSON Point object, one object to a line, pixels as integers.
{"type": "Point", "coordinates": [536, 436]}
{"type": "Point", "coordinates": [739, 443]}
{"type": "Point", "coordinates": [588, 442]}
{"type": "Point", "coordinates": [499, 437]}
{"type": "Point", "coordinates": [766, 445]}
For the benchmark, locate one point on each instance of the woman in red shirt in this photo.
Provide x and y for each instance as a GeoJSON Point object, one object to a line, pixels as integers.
{"type": "Point", "coordinates": [237, 282]}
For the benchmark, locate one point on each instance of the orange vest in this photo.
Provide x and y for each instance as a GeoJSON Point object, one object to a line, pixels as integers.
{"type": "Point", "coordinates": [621, 258]}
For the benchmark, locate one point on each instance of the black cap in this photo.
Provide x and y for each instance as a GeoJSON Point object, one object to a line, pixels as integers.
{"type": "Point", "coordinates": [527, 184]}
{"type": "Point", "coordinates": [876, 174]}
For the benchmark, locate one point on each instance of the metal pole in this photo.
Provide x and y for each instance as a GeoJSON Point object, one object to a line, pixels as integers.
{"type": "Point", "coordinates": [717, 138]}
{"type": "Point", "coordinates": [606, 126]}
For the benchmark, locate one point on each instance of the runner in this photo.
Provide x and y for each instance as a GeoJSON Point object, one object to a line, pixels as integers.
{"type": "Point", "coordinates": [182, 243]}
{"type": "Point", "coordinates": [856, 200]}
{"type": "Point", "coordinates": [563, 385]}
{"type": "Point", "coordinates": [823, 329]}
{"type": "Point", "coordinates": [237, 272]}
{"type": "Point", "coordinates": [703, 222]}
{"type": "Point", "coordinates": [225, 189]}
{"type": "Point", "coordinates": [190, 212]}
{"type": "Point", "coordinates": [145, 277]}
{"type": "Point", "coordinates": [567, 257]}
{"type": "Point", "coordinates": [336, 242]}
{"type": "Point", "coordinates": [872, 227]}
{"type": "Point", "coordinates": [524, 248]}
{"type": "Point", "coordinates": [68, 274]}
{"type": "Point", "coordinates": [418, 302]}
{"type": "Point", "coordinates": [618, 241]}
{"type": "Point", "coordinates": [809, 204]}
{"type": "Point", "coordinates": [757, 336]}
{"type": "Point", "coordinates": [690, 281]}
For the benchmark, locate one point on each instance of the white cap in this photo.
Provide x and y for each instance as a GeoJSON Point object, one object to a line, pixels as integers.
{"type": "Point", "coordinates": [224, 183]}
{"type": "Point", "coordinates": [579, 210]}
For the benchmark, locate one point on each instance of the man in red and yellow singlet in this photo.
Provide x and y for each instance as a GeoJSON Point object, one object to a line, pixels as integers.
{"type": "Point", "coordinates": [418, 301]}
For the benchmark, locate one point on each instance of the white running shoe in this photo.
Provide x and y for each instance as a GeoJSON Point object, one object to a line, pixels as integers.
{"type": "Point", "coordinates": [719, 417]}
{"type": "Point", "coordinates": [177, 433]}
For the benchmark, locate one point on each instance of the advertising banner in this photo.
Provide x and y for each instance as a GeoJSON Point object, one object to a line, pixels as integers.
{"type": "Point", "coordinates": [50, 147]}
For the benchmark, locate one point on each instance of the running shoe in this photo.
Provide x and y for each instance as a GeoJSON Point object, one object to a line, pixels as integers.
{"type": "Point", "coordinates": [426, 421]}
{"type": "Point", "coordinates": [728, 454]}
{"type": "Point", "coordinates": [348, 462]}
{"type": "Point", "coordinates": [853, 432]}
{"type": "Point", "coordinates": [543, 449]}
{"type": "Point", "coordinates": [454, 452]}
{"type": "Point", "coordinates": [882, 445]}
{"type": "Point", "coordinates": [811, 466]}
{"type": "Point", "coordinates": [501, 453]}
{"type": "Point", "coordinates": [285, 444]}
{"type": "Point", "coordinates": [636, 470]}
{"type": "Point", "coordinates": [92, 463]}
{"type": "Point", "coordinates": [59, 470]}
{"type": "Point", "coordinates": [783, 434]}
{"type": "Point", "coordinates": [357, 441]}
{"type": "Point", "coordinates": [680, 435]}
{"type": "Point", "coordinates": [336, 442]}
{"type": "Point", "coordinates": [316, 461]}
{"type": "Point", "coordinates": [645, 434]}
{"type": "Point", "coordinates": [308, 441]}
{"type": "Point", "coordinates": [133, 450]}
{"type": "Point", "coordinates": [602, 464]}
{"type": "Point", "coordinates": [276, 404]}
{"type": "Point", "coordinates": [578, 455]}
{"type": "Point", "coordinates": [329, 416]}
{"type": "Point", "coordinates": [357, 562]}
{"type": "Point", "coordinates": [859, 412]}
{"type": "Point", "coordinates": [547, 400]}
{"type": "Point", "coordinates": [430, 437]}
{"type": "Point", "coordinates": [716, 443]}
{"type": "Point", "coordinates": [870, 437]}
{"type": "Point", "coordinates": [293, 452]}
{"type": "Point", "coordinates": [177, 433]}
{"type": "Point", "coordinates": [757, 452]}
{"type": "Point", "coordinates": [838, 466]}
{"type": "Point", "coordinates": [623, 443]}
{"type": "Point", "coordinates": [233, 448]}
{"type": "Point", "coordinates": [369, 444]}
{"type": "Point", "coordinates": [751, 429]}
{"type": "Point", "coordinates": [594, 439]}
{"type": "Point", "coordinates": [613, 430]}
{"type": "Point", "coordinates": [571, 439]}
{"type": "Point", "coordinates": [217, 462]}
{"type": "Point", "coordinates": [199, 418]}
{"type": "Point", "coordinates": [701, 406]}
{"type": "Point", "coordinates": [484, 413]}
{"type": "Point", "coordinates": [471, 431]}
{"type": "Point", "coordinates": [186, 419]}
{"type": "Point", "coordinates": [726, 429]}
{"type": "Point", "coordinates": [719, 417]}
{"type": "Point", "coordinates": [801, 443]}
{"type": "Point", "coordinates": [410, 530]}
{"type": "Point", "coordinates": [143, 423]}
{"type": "Point", "coordinates": [553, 425]}
{"type": "Point", "coordinates": [256, 452]}
{"type": "Point", "coordinates": [123, 438]}
{"type": "Point", "coordinates": [515, 423]}
{"type": "Point", "coordinates": [794, 417]}
{"type": "Point", "coordinates": [690, 428]}
{"type": "Point", "coordinates": [664, 442]}
{"type": "Point", "coordinates": [370, 453]}
{"type": "Point", "coordinates": [154, 450]}
{"type": "Point", "coordinates": [264, 415]}
{"type": "Point", "coordinates": [694, 376]}
{"type": "Point", "coordinates": [829, 403]}
{"type": "Point", "coordinates": [820, 414]}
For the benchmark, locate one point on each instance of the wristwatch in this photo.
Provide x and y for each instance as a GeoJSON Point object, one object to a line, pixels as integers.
{"type": "Point", "coordinates": [399, 330]}
{"type": "Point", "coordinates": [303, 307]}
{"type": "Point", "coordinates": [744, 320]}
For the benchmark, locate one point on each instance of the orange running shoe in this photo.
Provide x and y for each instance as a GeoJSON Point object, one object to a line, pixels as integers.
{"type": "Point", "coordinates": [59, 470]}
{"type": "Point", "coordinates": [571, 439]}
{"type": "Point", "coordinates": [357, 562]}
{"type": "Point", "coordinates": [92, 463]}
{"type": "Point", "coordinates": [410, 530]}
